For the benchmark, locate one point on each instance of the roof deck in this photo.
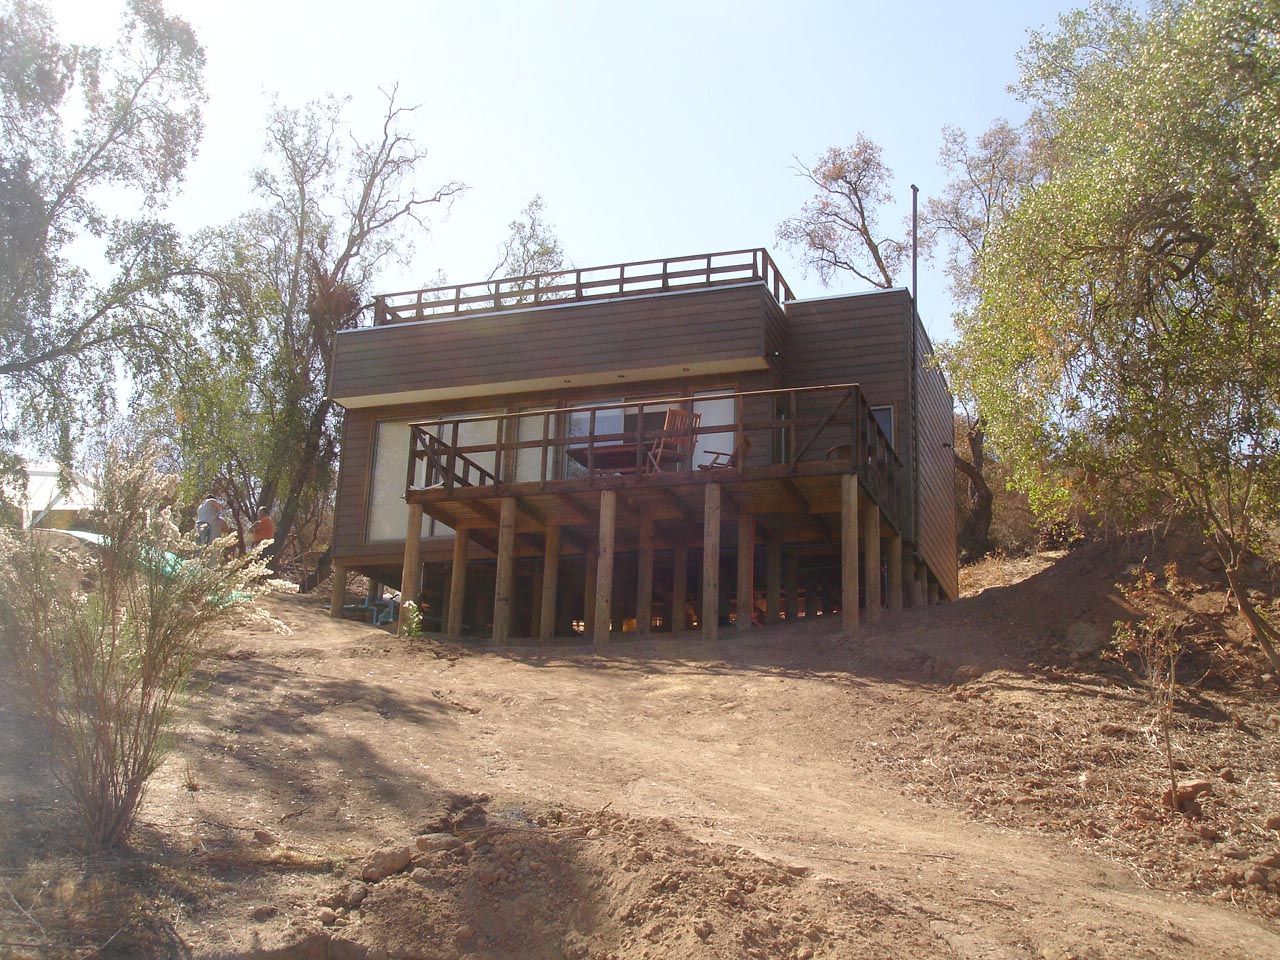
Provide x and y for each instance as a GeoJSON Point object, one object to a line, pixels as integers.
{"type": "Point", "coordinates": [611, 281]}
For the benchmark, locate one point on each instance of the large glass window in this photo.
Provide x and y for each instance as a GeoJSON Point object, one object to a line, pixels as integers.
{"type": "Point", "coordinates": [387, 513]}
{"type": "Point", "coordinates": [884, 417]}
{"type": "Point", "coordinates": [716, 408]}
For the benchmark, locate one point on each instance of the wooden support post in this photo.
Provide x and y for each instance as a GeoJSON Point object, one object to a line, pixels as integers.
{"type": "Point", "coordinates": [773, 582]}
{"type": "Point", "coordinates": [812, 604]}
{"type": "Point", "coordinates": [679, 586]}
{"type": "Point", "coordinates": [374, 593]}
{"type": "Point", "coordinates": [895, 572]}
{"type": "Point", "coordinates": [550, 576]}
{"type": "Point", "coordinates": [604, 567]}
{"type": "Point", "coordinates": [457, 584]}
{"type": "Point", "coordinates": [644, 577]}
{"type": "Point", "coordinates": [411, 576]}
{"type": "Point", "coordinates": [919, 576]}
{"type": "Point", "coordinates": [711, 563]}
{"type": "Point", "coordinates": [746, 570]}
{"type": "Point", "coordinates": [871, 560]}
{"type": "Point", "coordinates": [592, 562]}
{"type": "Point", "coordinates": [505, 576]}
{"type": "Point", "coordinates": [339, 593]}
{"type": "Point", "coordinates": [791, 586]}
{"type": "Point", "coordinates": [935, 595]}
{"type": "Point", "coordinates": [535, 602]}
{"type": "Point", "coordinates": [848, 552]}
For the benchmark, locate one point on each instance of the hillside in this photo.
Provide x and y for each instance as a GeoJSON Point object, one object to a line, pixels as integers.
{"type": "Point", "coordinates": [971, 781]}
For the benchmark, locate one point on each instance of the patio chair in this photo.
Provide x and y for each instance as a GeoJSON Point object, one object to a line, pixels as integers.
{"type": "Point", "coordinates": [728, 461]}
{"type": "Point", "coordinates": [676, 445]}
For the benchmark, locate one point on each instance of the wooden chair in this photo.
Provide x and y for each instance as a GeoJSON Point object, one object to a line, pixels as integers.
{"type": "Point", "coordinates": [676, 445]}
{"type": "Point", "coordinates": [728, 461]}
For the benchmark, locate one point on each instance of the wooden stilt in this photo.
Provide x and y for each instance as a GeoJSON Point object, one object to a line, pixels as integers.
{"type": "Point", "coordinates": [457, 584]}
{"type": "Point", "coordinates": [679, 587]}
{"type": "Point", "coordinates": [338, 594]}
{"type": "Point", "coordinates": [894, 565]}
{"type": "Point", "coordinates": [746, 570]}
{"type": "Point", "coordinates": [935, 595]}
{"type": "Point", "coordinates": [644, 577]}
{"type": "Point", "coordinates": [589, 590]}
{"type": "Point", "coordinates": [849, 552]}
{"type": "Point", "coordinates": [711, 563]}
{"type": "Point", "coordinates": [604, 567]}
{"type": "Point", "coordinates": [791, 586]}
{"type": "Point", "coordinates": [535, 604]}
{"type": "Point", "coordinates": [773, 582]}
{"type": "Point", "coordinates": [550, 576]}
{"type": "Point", "coordinates": [411, 576]}
{"type": "Point", "coordinates": [504, 582]}
{"type": "Point", "coordinates": [811, 602]}
{"type": "Point", "coordinates": [871, 559]}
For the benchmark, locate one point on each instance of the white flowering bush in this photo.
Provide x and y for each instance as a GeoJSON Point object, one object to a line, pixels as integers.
{"type": "Point", "coordinates": [104, 642]}
{"type": "Point", "coordinates": [412, 619]}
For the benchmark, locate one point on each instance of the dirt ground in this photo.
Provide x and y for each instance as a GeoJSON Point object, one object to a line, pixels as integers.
{"type": "Point", "coordinates": [965, 782]}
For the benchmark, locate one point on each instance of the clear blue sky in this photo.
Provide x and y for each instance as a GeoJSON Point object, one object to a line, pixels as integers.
{"type": "Point", "coordinates": [650, 129]}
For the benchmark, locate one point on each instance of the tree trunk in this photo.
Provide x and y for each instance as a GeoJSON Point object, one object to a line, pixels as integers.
{"type": "Point", "coordinates": [975, 534]}
{"type": "Point", "coordinates": [1266, 635]}
{"type": "Point", "coordinates": [295, 484]}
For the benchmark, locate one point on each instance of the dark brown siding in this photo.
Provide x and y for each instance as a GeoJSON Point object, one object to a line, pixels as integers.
{"type": "Point", "coordinates": [717, 325]}
{"type": "Point", "coordinates": [936, 473]}
{"type": "Point", "coordinates": [865, 339]}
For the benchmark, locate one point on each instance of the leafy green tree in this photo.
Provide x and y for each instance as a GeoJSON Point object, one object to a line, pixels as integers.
{"type": "Point", "coordinates": [1128, 340]}
{"type": "Point", "coordinates": [89, 292]}
{"type": "Point", "coordinates": [255, 419]}
{"type": "Point", "coordinates": [988, 176]}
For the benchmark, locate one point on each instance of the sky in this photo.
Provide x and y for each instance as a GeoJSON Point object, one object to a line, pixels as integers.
{"type": "Point", "coordinates": [650, 130]}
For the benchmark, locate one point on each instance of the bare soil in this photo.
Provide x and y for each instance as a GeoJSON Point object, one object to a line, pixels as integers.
{"type": "Point", "coordinates": [968, 781]}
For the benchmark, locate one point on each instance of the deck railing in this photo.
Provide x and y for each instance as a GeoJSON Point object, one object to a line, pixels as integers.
{"type": "Point", "coordinates": [768, 429]}
{"type": "Point", "coordinates": [585, 283]}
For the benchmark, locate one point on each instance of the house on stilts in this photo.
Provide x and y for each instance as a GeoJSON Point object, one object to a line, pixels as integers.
{"type": "Point", "coordinates": [661, 446]}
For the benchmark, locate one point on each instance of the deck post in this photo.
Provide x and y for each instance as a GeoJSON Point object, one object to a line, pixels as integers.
{"type": "Point", "coordinates": [550, 574]}
{"type": "Point", "coordinates": [773, 581]}
{"type": "Point", "coordinates": [339, 592]}
{"type": "Point", "coordinates": [503, 582]}
{"type": "Point", "coordinates": [711, 562]}
{"type": "Point", "coordinates": [848, 552]}
{"type": "Point", "coordinates": [591, 563]}
{"type": "Point", "coordinates": [871, 560]}
{"type": "Point", "coordinates": [604, 566]}
{"type": "Point", "coordinates": [535, 605]}
{"type": "Point", "coordinates": [457, 584]}
{"type": "Point", "coordinates": [918, 577]}
{"type": "Point", "coordinates": [791, 586]}
{"type": "Point", "coordinates": [746, 570]}
{"type": "Point", "coordinates": [411, 576]}
{"type": "Point", "coordinates": [644, 577]}
{"type": "Point", "coordinates": [895, 572]}
{"type": "Point", "coordinates": [679, 586]}
{"type": "Point", "coordinates": [934, 593]}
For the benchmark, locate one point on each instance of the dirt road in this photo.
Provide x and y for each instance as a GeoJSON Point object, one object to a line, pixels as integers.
{"type": "Point", "coordinates": [339, 738]}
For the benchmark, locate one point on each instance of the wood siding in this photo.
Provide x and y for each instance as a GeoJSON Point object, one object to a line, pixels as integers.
{"type": "Point", "coordinates": [724, 326]}
{"type": "Point", "coordinates": [937, 492]}
{"type": "Point", "coordinates": [865, 338]}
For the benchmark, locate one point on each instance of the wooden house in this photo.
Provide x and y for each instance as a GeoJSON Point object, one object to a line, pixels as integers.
{"type": "Point", "coordinates": [659, 446]}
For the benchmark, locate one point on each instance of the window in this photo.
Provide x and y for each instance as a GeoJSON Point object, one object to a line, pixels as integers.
{"type": "Point", "coordinates": [884, 417]}
{"type": "Point", "coordinates": [716, 408]}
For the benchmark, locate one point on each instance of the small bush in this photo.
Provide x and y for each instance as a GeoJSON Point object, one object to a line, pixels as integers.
{"type": "Point", "coordinates": [105, 641]}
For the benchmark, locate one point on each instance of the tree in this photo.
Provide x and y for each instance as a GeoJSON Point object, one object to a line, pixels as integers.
{"type": "Point", "coordinates": [987, 179]}
{"type": "Point", "coordinates": [68, 331]}
{"type": "Point", "coordinates": [256, 420]}
{"type": "Point", "coordinates": [531, 246]}
{"type": "Point", "coordinates": [838, 229]}
{"type": "Point", "coordinates": [1128, 338]}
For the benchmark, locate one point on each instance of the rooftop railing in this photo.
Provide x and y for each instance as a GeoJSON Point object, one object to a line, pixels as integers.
{"type": "Point", "coordinates": [639, 278]}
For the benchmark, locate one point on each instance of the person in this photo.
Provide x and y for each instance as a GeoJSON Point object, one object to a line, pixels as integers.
{"type": "Point", "coordinates": [209, 520]}
{"type": "Point", "coordinates": [263, 528]}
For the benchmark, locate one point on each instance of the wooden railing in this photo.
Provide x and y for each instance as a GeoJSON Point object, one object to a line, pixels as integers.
{"type": "Point", "coordinates": [585, 283]}
{"type": "Point", "coordinates": [770, 428]}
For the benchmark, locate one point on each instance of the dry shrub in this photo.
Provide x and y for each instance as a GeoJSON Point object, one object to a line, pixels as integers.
{"type": "Point", "coordinates": [105, 642]}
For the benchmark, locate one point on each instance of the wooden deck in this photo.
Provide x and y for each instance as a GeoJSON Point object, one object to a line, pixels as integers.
{"type": "Point", "coordinates": [561, 484]}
